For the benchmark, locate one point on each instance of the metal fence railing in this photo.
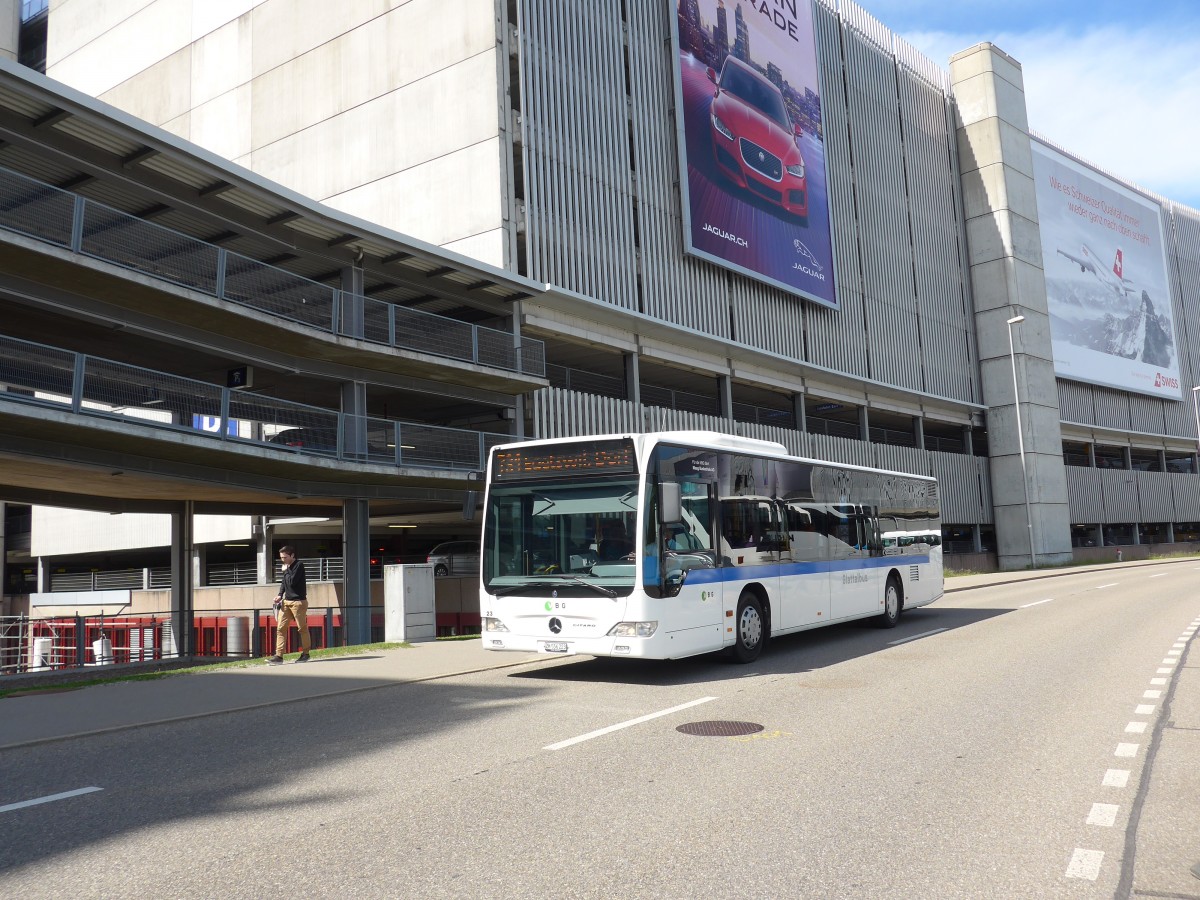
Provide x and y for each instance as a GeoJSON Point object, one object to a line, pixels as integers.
{"type": "Point", "coordinates": [55, 643]}
{"type": "Point", "coordinates": [59, 217]}
{"type": "Point", "coordinates": [48, 376]}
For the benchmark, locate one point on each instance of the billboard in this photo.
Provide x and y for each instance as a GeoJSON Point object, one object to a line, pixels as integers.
{"type": "Point", "coordinates": [1107, 289]}
{"type": "Point", "coordinates": [751, 153]}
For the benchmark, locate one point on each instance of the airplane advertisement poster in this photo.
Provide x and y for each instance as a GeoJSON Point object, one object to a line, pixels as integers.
{"type": "Point", "coordinates": [751, 152]}
{"type": "Point", "coordinates": [1108, 293]}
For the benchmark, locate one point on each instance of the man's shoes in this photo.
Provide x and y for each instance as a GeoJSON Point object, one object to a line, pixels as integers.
{"type": "Point", "coordinates": [302, 658]}
{"type": "Point", "coordinates": [274, 660]}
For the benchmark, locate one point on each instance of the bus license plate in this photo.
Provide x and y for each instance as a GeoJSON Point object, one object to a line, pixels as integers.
{"type": "Point", "coordinates": [554, 646]}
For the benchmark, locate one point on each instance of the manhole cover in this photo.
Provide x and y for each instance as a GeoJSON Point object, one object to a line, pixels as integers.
{"type": "Point", "coordinates": [719, 729]}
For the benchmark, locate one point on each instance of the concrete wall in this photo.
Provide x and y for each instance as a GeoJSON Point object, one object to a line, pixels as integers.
{"type": "Point", "coordinates": [58, 532]}
{"type": "Point", "coordinates": [385, 109]}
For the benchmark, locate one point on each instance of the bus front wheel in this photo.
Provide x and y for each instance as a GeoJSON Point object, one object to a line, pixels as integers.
{"type": "Point", "coordinates": [750, 631]}
{"type": "Point", "coordinates": [892, 599]}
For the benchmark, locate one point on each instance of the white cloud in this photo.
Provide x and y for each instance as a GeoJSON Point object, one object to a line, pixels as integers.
{"type": "Point", "coordinates": [1127, 100]}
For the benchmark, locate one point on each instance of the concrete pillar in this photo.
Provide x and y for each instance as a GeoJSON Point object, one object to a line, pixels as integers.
{"type": "Point", "coordinates": [1091, 448]}
{"type": "Point", "coordinates": [798, 410]}
{"type": "Point", "coordinates": [968, 437]}
{"type": "Point", "coordinates": [1005, 258]}
{"type": "Point", "coordinates": [633, 379]}
{"type": "Point", "coordinates": [182, 576]}
{"type": "Point", "coordinates": [977, 537]}
{"type": "Point", "coordinates": [352, 319]}
{"type": "Point", "coordinates": [725, 397]}
{"type": "Point", "coordinates": [356, 550]}
{"type": "Point", "coordinates": [354, 411]}
{"type": "Point", "coordinates": [918, 425]}
{"type": "Point", "coordinates": [199, 564]}
{"type": "Point", "coordinates": [864, 424]}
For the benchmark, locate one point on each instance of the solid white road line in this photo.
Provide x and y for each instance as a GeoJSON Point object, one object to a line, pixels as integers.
{"type": "Point", "coordinates": [1103, 814]}
{"type": "Point", "coordinates": [638, 721]}
{"type": "Point", "coordinates": [50, 798]}
{"type": "Point", "coordinates": [1037, 603]}
{"type": "Point", "coordinates": [1085, 864]}
{"type": "Point", "coordinates": [1117, 778]}
{"type": "Point", "coordinates": [1126, 750]}
{"type": "Point", "coordinates": [915, 636]}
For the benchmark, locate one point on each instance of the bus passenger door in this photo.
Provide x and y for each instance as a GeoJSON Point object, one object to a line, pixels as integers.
{"type": "Point", "coordinates": [692, 616]}
{"type": "Point", "coordinates": [803, 579]}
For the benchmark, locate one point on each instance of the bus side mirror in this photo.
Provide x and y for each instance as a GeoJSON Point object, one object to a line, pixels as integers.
{"type": "Point", "coordinates": [670, 506]}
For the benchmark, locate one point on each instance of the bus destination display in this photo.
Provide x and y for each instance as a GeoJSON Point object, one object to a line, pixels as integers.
{"type": "Point", "coordinates": [565, 459]}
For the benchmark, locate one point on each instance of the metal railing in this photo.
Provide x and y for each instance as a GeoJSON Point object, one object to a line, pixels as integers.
{"type": "Point", "coordinates": [46, 213]}
{"type": "Point", "coordinates": [54, 643]}
{"type": "Point", "coordinates": [48, 376]}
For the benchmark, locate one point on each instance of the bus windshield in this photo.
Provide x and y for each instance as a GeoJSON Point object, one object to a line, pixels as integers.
{"type": "Point", "coordinates": [572, 535]}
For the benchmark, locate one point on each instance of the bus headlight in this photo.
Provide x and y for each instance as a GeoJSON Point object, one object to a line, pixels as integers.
{"type": "Point", "coordinates": [493, 625]}
{"type": "Point", "coordinates": [633, 629]}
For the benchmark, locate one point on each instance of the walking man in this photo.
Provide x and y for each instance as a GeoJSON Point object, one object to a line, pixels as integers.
{"type": "Point", "coordinates": [291, 605]}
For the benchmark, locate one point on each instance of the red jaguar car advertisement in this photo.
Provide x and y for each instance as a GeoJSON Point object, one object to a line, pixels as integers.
{"type": "Point", "coordinates": [751, 143]}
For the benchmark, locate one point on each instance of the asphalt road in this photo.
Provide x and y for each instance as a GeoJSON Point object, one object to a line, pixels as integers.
{"type": "Point", "coordinates": [993, 745]}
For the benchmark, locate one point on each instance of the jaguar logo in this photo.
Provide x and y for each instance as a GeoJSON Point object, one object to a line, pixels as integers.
{"type": "Point", "coordinates": [555, 626]}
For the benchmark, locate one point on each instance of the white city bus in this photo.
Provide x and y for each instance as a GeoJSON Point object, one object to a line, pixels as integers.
{"type": "Point", "coordinates": [678, 543]}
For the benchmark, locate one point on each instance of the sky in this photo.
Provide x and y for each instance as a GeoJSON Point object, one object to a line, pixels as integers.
{"type": "Point", "coordinates": [1115, 83]}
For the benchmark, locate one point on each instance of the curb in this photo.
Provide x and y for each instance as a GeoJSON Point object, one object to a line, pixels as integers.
{"type": "Point", "coordinates": [1068, 570]}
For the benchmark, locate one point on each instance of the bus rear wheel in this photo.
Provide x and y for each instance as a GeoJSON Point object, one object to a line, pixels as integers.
{"type": "Point", "coordinates": [892, 600]}
{"type": "Point", "coordinates": [750, 632]}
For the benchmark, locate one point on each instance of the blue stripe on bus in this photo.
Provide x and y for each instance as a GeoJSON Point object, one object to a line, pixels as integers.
{"type": "Point", "coordinates": [772, 570]}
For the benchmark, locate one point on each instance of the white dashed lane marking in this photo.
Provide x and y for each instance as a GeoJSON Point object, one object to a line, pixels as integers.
{"type": "Point", "coordinates": [1116, 778]}
{"type": "Point", "coordinates": [916, 636]}
{"type": "Point", "coordinates": [1085, 864]}
{"type": "Point", "coordinates": [1038, 603]}
{"type": "Point", "coordinates": [50, 798]}
{"type": "Point", "coordinates": [1126, 750]}
{"type": "Point", "coordinates": [1103, 814]}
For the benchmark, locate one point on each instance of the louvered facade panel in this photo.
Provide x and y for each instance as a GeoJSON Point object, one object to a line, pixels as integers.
{"type": "Point", "coordinates": [1085, 495]}
{"type": "Point", "coordinates": [836, 138]}
{"type": "Point", "coordinates": [1120, 495]}
{"type": "Point", "coordinates": [1185, 491]}
{"type": "Point", "coordinates": [837, 338]}
{"type": "Point", "coordinates": [767, 318]}
{"type": "Point", "coordinates": [902, 459]}
{"type": "Point", "coordinates": [577, 163]}
{"type": "Point", "coordinates": [562, 413]}
{"type": "Point", "coordinates": [944, 319]}
{"type": "Point", "coordinates": [836, 449]}
{"type": "Point", "coordinates": [1075, 402]}
{"type": "Point", "coordinates": [885, 240]}
{"type": "Point", "coordinates": [1146, 414]}
{"type": "Point", "coordinates": [964, 501]}
{"type": "Point", "coordinates": [1154, 493]}
{"type": "Point", "coordinates": [1112, 408]}
{"type": "Point", "coordinates": [675, 287]}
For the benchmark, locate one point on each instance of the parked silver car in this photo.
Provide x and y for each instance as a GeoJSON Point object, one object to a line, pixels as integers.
{"type": "Point", "coordinates": [455, 558]}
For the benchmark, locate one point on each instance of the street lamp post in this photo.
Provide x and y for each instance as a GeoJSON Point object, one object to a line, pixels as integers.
{"type": "Point", "coordinates": [1012, 355]}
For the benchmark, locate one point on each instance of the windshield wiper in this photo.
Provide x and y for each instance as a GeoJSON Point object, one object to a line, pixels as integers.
{"type": "Point", "coordinates": [575, 579]}
{"type": "Point", "coordinates": [598, 588]}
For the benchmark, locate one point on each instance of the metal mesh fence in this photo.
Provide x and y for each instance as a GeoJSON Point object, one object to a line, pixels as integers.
{"type": "Point", "coordinates": [145, 247]}
{"type": "Point", "coordinates": [377, 321]}
{"type": "Point", "coordinates": [116, 388]}
{"type": "Point", "coordinates": [260, 286]}
{"type": "Point", "coordinates": [428, 333]}
{"type": "Point", "coordinates": [35, 372]}
{"type": "Point", "coordinates": [310, 429]}
{"type": "Point", "coordinates": [427, 445]}
{"type": "Point", "coordinates": [36, 209]}
{"type": "Point", "coordinates": [496, 348]}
